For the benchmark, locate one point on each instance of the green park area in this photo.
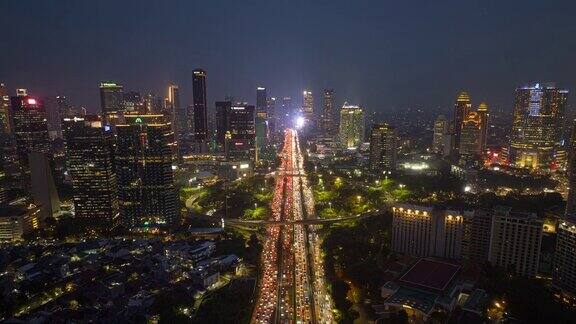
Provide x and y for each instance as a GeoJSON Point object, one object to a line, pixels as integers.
{"type": "Point", "coordinates": [247, 198]}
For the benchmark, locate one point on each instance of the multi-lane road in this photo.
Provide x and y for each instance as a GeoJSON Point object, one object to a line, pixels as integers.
{"type": "Point", "coordinates": [291, 286]}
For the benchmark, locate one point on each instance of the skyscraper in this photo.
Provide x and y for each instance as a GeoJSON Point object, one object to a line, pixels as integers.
{"type": "Point", "coordinates": [64, 108]}
{"type": "Point", "coordinates": [564, 275]}
{"type": "Point", "coordinates": [111, 101]}
{"type": "Point", "coordinates": [383, 146]}
{"type": "Point", "coordinates": [308, 109]}
{"type": "Point", "coordinates": [571, 173]}
{"type": "Point", "coordinates": [537, 125]}
{"type": "Point", "coordinates": [179, 118]}
{"type": "Point", "coordinates": [261, 105]}
{"type": "Point", "coordinates": [327, 122]}
{"type": "Point", "coordinates": [146, 189]}
{"type": "Point", "coordinates": [200, 110]}
{"type": "Point", "coordinates": [236, 129]}
{"type": "Point", "coordinates": [5, 126]}
{"type": "Point", "coordinates": [471, 136]}
{"type": "Point", "coordinates": [30, 127]}
{"type": "Point", "coordinates": [133, 102]}
{"type": "Point", "coordinates": [261, 120]}
{"type": "Point", "coordinates": [441, 139]}
{"type": "Point", "coordinates": [286, 113]}
{"type": "Point", "coordinates": [483, 112]}
{"type": "Point", "coordinates": [89, 157]}
{"type": "Point", "coordinates": [272, 115]}
{"type": "Point", "coordinates": [351, 126]}
{"type": "Point", "coordinates": [461, 108]}
{"type": "Point", "coordinates": [515, 241]}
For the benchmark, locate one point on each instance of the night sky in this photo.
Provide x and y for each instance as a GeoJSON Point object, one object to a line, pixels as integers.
{"type": "Point", "coordinates": [380, 54]}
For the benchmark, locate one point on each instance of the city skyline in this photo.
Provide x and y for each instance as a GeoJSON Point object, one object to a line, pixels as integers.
{"type": "Point", "coordinates": [379, 70]}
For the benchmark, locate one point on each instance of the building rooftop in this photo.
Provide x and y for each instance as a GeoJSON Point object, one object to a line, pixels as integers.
{"type": "Point", "coordinates": [413, 298]}
{"type": "Point", "coordinates": [430, 274]}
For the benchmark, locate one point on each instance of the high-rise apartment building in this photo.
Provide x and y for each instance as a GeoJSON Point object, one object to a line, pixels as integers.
{"type": "Point", "coordinates": [537, 125]}
{"type": "Point", "coordinates": [461, 108]}
{"type": "Point", "coordinates": [111, 101]}
{"type": "Point", "coordinates": [327, 121]}
{"type": "Point", "coordinates": [143, 160]}
{"type": "Point", "coordinates": [30, 127]}
{"type": "Point", "coordinates": [515, 241]}
{"type": "Point", "coordinates": [564, 274]}
{"type": "Point", "coordinates": [476, 239]}
{"type": "Point", "coordinates": [426, 231]}
{"type": "Point", "coordinates": [351, 126]}
{"type": "Point", "coordinates": [200, 110]}
{"type": "Point", "coordinates": [89, 157]}
{"type": "Point", "coordinates": [308, 109]}
{"type": "Point", "coordinates": [383, 147]}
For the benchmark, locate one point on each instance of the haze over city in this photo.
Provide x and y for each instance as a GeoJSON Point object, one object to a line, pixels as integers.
{"type": "Point", "coordinates": [376, 53]}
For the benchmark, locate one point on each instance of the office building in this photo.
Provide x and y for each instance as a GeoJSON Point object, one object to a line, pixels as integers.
{"type": "Point", "coordinates": [383, 146]}
{"type": "Point", "coordinates": [144, 157]}
{"type": "Point", "coordinates": [43, 188]}
{"type": "Point", "coordinates": [53, 119]}
{"type": "Point", "coordinates": [515, 241]}
{"type": "Point", "coordinates": [30, 127]}
{"type": "Point", "coordinates": [17, 221]}
{"type": "Point", "coordinates": [200, 110]}
{"type": "Point", "coordinates": [236, 129]}
{"type": "Point", "coordinates": [461, 108]}
{"type": "Point", "coordinates": [327, 119]}
{"type": "Point", "coordinates": [272, 115]}
{"type": "Point", "coordinates": [111, 101]}
{"type": "Point", "coordinates": [441, 139]}
{"type": "Point", "coordinates": [64, 107]}
{"type": "Point", "coordinates": [571, 172]}
{"type": "Point", "coordinates": [484, 115]}
{"type": "Point", "coordinates": [286, 114]}
{"type": "Point", "coordinates": [564, 275]}
{"type": "Point", "coordinates": [308, 109]}
{"type": "Point", "coordinates": [5, 125]}
{"type": "Point", "coordinates": [471, 136]}
{"type": "Point", "coordinates": [261, 120]}
{"type": "Point", "coordinates": [89, 157]}
{"type": "Point", "coordinates": [537, 126]}
{"type": "Point", "coordinates": [351, 126]}
{"type": "Point", "coordinates": [179, 117]}
{"type": "Point", "coordinates": [133, 102]}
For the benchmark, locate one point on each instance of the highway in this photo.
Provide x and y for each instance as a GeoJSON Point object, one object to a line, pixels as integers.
{"type": "Point", "coordinates": [292, 287]}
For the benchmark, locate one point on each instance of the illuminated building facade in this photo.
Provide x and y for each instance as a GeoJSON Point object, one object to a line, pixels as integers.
{"type": "Point", "coordinates": [461, 108]}
{"type": "Point", "coordinates": [261, 119]}
{"type": "Point", "coordinates": [200, 110]}
{"type": "Point", "coordinates": [471, 135]}
{"type": "Point", "coordinates": [308, 109]}
{"type": "Point", "coordinates": [272, 115]}
{"type": "Point", "coordinates": [351, 126]}
{"type": "Point", "coordinates": [426, 231]}
{"type": "Point", "coordinates": [16, 221]}
{"type": "Point", "coordinates": [441, 139]}
{"type": "Point", "coordinates": [383, 146]}
{"type": "Point", "coordinates": [537, 126]}
{"type": "Point", "coordinates": [327, 122]}
{"type": "Point", "coordinates": [515, 241]}
{"type": "Point", "coordinates": [111, 101]}
{"type": "Point", "coordinates": [571, 172]}
{"type": "Point", "coordinates": [564, 275]}
{"type": "Point", "coordinates": [146, 189]}
{"type": "Point", "coordinates": [236, 129]}
{"type": "Point", "coordinates": [286, 114]}
{"type": "Point", "coordinates": [30, 127]}
{"type": "Point", "coordinates": [5, 126]}
{"type": "Point", "coordinates": [89, 155]}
